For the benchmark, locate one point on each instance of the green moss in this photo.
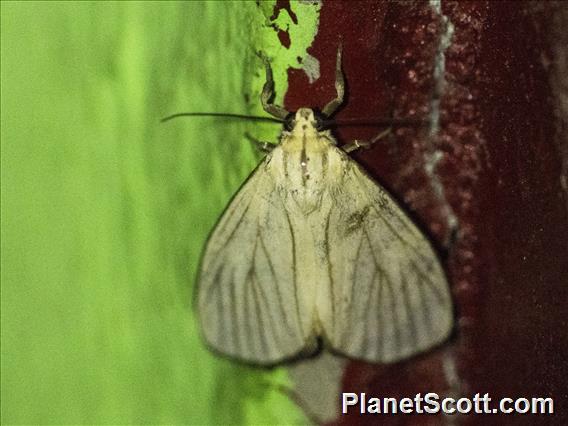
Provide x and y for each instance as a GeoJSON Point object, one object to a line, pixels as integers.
{"type": "Point", "coordinates": [105, 210]}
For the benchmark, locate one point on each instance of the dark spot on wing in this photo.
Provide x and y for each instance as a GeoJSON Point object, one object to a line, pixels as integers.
{"type": "Point", "coordinates": [355, 220]}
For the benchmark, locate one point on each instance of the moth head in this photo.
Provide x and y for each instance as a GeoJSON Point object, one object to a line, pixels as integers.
{"type": "Point", "coordinates": [304, 119]}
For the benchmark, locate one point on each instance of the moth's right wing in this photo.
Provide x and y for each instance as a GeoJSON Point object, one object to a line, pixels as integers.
{"type": "Point", "coordinates": [391, 299]}
{"type": "Point", "coordinates": [247, 290]}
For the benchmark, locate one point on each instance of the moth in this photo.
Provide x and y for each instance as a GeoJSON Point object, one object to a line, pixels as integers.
{"type": "Point", "coordinates": [313, 252]}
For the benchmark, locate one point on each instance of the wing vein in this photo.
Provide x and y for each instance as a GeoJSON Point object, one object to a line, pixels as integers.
{"type": "Point", "coordinates": [365, 341]}
{"type": "Point", "coordinates": [426, 313]}
{"type": "Point", "coordinates": [293, 237]}
{"type": "Point", "coordinates": [380, 318]}
{"type": "Point", "coordinates": [277, 286]}
{"type": "Point", "coordinates": [260, 325]}
{"type": "Point", "coordinates": [396, 324]}
{"type": "Point", "coordinates": [229, 238]}
{"type": "Point", "coordinates": [410, 313]}
{"type": "Point", "coordinates": [330, 272]}
{"type": "Point", "coordinates": [426, 279]}
{"type": "Point", "coordinates": [353, 282]}
{"type": "Point", "coordinates": [233, 314]}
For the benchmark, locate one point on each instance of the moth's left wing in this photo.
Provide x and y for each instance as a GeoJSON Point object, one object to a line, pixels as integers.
{"type": "Point", "coordinates": [390, 297]}
{"type": "Point", "coordinates": [247, 297]}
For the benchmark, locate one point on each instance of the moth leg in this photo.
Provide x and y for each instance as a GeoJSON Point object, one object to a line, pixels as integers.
{"type": "Point", "coordinates": [332, 106]}
{"type": "Point", "coordinates": [263, 146]}
{"type": "Point", "coordinates": [356, 144]}
{"type": "Point", "coordinates": [267, 95]}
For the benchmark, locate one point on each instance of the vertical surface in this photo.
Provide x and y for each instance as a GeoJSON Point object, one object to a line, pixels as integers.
{"type": "Point", "coordinates": [105, 210]}
{"type": "Point", "coordinates": [483, 178]}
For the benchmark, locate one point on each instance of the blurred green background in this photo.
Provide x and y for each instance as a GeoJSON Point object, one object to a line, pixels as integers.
{"type": "Point", "coordinates": [105, 210]}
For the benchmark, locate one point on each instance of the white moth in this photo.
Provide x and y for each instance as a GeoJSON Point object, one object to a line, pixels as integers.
{"type": "Point", "coordinates": [310, 250]}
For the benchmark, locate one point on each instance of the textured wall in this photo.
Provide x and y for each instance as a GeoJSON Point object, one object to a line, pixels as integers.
{"type": "Point", "coordinates": [489, 168]}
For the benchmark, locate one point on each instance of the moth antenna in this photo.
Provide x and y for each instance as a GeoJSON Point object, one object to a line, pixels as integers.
{"type": "Point", "coordinates": [333, 105]}
{"type": "Point", "coordinates": [267, 94]}
{"type": "Point", "coordinates": [222, 115]}
{"type": "Point", "coordinates": [378, 122]}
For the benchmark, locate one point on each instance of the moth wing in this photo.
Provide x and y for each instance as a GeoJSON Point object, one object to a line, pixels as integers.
{"type": "Point", "coordinates": [247, 300]}
{"type": "Point", "coordinates": [390, 297]}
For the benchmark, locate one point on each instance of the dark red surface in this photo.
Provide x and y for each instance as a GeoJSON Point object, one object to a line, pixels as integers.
{"type": "Point", "coordinates": [500, 172]}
